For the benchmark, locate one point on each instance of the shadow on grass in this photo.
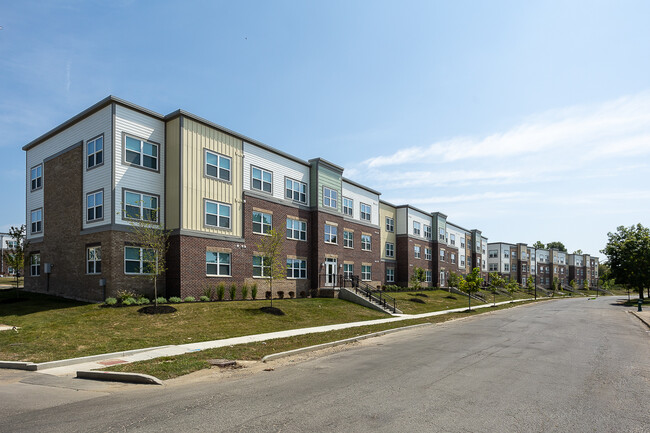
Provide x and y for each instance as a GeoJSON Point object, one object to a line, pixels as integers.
{"type": "Point", "coordinates": [31, 303]}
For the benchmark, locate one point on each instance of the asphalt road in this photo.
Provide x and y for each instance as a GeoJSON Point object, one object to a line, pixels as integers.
{"type": "Point", "coordinates": [572, 365]}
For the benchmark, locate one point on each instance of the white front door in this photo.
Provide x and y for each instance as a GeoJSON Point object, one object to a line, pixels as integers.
{"type": "Point", "coordinates": [330, 272]}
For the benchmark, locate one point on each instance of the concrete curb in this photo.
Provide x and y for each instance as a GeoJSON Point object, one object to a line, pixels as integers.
{"type": "Point", "coordinates": [116, 376]}
{"type": "Point", "coordinates": [279, 355]}
{"type": "Point", "coordinates": [646, 322]}
{"type": "Point", "coordinates": [30, 366]}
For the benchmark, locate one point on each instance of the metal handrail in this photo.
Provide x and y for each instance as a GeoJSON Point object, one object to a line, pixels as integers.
{"type": "Point", "coordinates": [359, 287]}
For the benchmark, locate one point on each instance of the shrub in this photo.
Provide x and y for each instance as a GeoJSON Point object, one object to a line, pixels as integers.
{"type": "Point", "coordinates": [291, 294]}
{"type": "Point", "coordinates": [280, 294]}
{"type": "Point", "coordinates": [208, 292]}
{"type": "Point", "coordinates": [189, 299]}
{"type": "Point", "coordinates": [244, 291]}
{"type": "Point", "coordinates": [110, 301]}
{"type": "Point", "coordinates": [161, 300]}
{"type": "Point", "coordinates": [129, 301]}
{"type": "Point", "coordinates": [143, 300]}
{"type": "Point", "coordinates": [254, 291]}
{"type": "Point", "coordinates": [204, 298]}
{"type": "Point", "coordinates": [233, 292]}
{"type": "Point", "coordinates": [268, 294]}
{"type": "Point", "coordinates": [124, 294]}
{"type": "Point", "coordinates": [303, 294]}
{"type": "Point", "coordinates": [175, 300]}
{"type": "Point", "coordinates": [221, 289]}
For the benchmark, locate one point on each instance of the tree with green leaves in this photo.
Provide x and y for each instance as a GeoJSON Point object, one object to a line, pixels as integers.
{"type": "Point", "coordinates": [573, 285]}
{"type": "Point", "coordinates": [628, 256]}
{"type": "Point", "coordinates": [512, 287]}
{"type": "Point", "coordinates": [15, 257]}
{"type": "Point", "coordinates": [530, 284]}
{"type": "Point", "coordinates": [455, 280]}
{"type": "Point", "coordinates": [417, 278]}
{"type": "Point", "coordinates": [274, 263]}
{"type": "Point", "coordinates": [555, 285]}
{"type": "Point", "coordinates": [585, 285]}
{"type": "Point", "coordinates": [473, 285]}
{"type": "Point", "coordinates": [557, 245]}
{"type": "Point", "coordinates": [538, 245]}
{"type": "Point", "coordinates": [578, 251]}
{"type": "Point", "coordinates": [496, 282]}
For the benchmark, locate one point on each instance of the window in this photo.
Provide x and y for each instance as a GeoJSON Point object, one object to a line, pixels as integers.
{"type": "Point", "coordinates": [453, 239]}
{"type": "Point", "coordinates": [262, 222]}
{"type": "Point", "coordinates": [217, 166]}
{"type": "Point", "coordinates": [390, 249]}
{"type": "Point", "coordinates": [441, 234]}
{"type": "Point", "coordinates": [348, 271]}
{"type": "Point", "coordinates": [416, 251]}
{"type": "Point", "coordinates": [296, 229]}
{"type": "Point", "coordinates": [462, 242]}
{"type": "Point", "coordinates": [217, 264]}
{"type": "Point", "coordinates": [95, 152]}
{"type": "Point", "coordinates": [366, 272]}
{"type": "Point", "coordinates": [262, 179]}
{"type": "Point", "coordinates": [217, 214]}
{"type": "Point", "coordinates": [506, 254]}
{"type": "Point", "coordinates": [493, 267]}
{"type": "Point", "coordinates": [523, 268]}
{"type": "Point", "coordinates": [365, 211]}
{"type": "Point", "coordinates": [94, 260]}
{"type": "Point", "coordinates": [442, 255]}
{"type": "Point", "coordinates": [36, 177]}
{"type": "Point", "coordinates": [139, 206]}
{"type": "Point", "coordinates": [37, 221]}
{"type": "Point", "coordinates": [139, 260]}
{"type": "Point", "coordinates": [416, 228]}
{"type": "Point", "coordinates": [494, 254]}
{"type": "Point", "coordinates": [95, 206]}
{"type": "Point", "coordinates": [453, 258]}
{"type": "Point", "coordinates": [35, 265]}
{"type": "Point", "coordinates": [462, 261]}
{"type": "Point", "coordinates": [330, 234]}
{"type": "Point", "coordinates": [330, 197]}
{"type": "Point", "coordinates": [296, 268]}
{"type": "Point", "coordinates": [366, 241]}
{"type": "Point", "coordinates": [348, 239]}
{"type": "Point", "coordinates": [427, 231]}
{"type": "Point", "coordinates": [261, 266]}
{"type": "Point", "coordinates": [390, 275]}
{"type": "Point", "coordinates": [506, 267]}
{"type": "Point", "coordinates": [142, 153]}
{"type": "Point", "coordinates": [427, 277]}
{"type": "Point", "coordinates": [296, 191]}
{"type": "Point", "coordinates": [390, 224]}
{"type": "Point", "coordinates": [427, 253]}
{"type": "Point", "coordinates": [347, 206]}
{"type": "Point", "coordinates": [523, 281]}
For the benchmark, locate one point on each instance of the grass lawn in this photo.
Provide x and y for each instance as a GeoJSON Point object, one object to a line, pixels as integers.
{"type": "Point", "coordinates": [54, 328]}
{"type": "Point", "coordinates": [11, 281]}
{"type": "Point", "coordinates": [173, 366]}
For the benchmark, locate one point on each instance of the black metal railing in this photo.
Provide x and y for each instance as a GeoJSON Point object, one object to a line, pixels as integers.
{"type": "Point", "coordinates": [354, 283]}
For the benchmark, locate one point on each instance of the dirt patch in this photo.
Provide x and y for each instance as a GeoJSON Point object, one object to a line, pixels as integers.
{"type": "Point", "coordinates": [272, 310]}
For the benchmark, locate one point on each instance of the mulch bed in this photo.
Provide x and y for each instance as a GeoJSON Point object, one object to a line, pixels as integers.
{"type": "Point", "coordinates": [417, 300]}
{"type": "Point", "coordinates": [160, 309]}
{"type": "Point", "coordinates": [272, 310]}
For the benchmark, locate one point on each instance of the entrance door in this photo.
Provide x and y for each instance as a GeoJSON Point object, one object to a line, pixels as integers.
{"type": "Point", "coordinates": [330, 272]}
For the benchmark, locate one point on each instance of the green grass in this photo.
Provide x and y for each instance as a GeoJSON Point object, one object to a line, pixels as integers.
{"type": "Point", "coordinates": [173, 366]}
{"type": "Point", "coordinates": [11, 281]}
{"type": "Point", "coordinates": [438, 300]}
{"type": "Point", "coordinates": [54, 328]}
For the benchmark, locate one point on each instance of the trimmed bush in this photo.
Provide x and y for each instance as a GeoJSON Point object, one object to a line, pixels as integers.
{"type": "Point", "coordinates": [124, 294]}
{"type": "Point", "coordinates": [221, 289]}
{"type": "Point", "coordinates": [204, 298]}
{"type": "Point", "coordinates": [303, 294]}
{"type": "Point", "coordinates": [291, 294]}
{"type": "Point", "coordinates": [143, 300]}
{"type": "Point", "coordinates": [110, 301]}
{"type": "Point", "coordinates": [161, 300]}
{"type": "Point", "coordinates": [254, 291]}
{"type": "Point", "coordinates": [280, 294]}
{"type": "Point", "coordinates": [233, 292]}
{"type": "Point", "coordinates": [268, 294]}
{"type": "Point", "coordinates": [175, 300]}
{"type": "Point", "coordinates": [189, 299]}
{"type": "Point", "coordinates": [208, 292]}
{"type": "Point", "coordinates": [129, 301]}
{"type": "Point", "coordinates": [244, 291]}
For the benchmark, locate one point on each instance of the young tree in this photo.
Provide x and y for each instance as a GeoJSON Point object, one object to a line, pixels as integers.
{"type": "Point", "coordinates": [573, 285]}
{"type": "Point", "coordinates": [274, 262]}
{"type": "Point", "coordinates": [417, 278]}
{"type": "Point", "coordinates": [578, 251]}
{"type": "Point", "coordinates": [555, 285]}
{"type": "Point", "coordinates": [557, 244]}
{"type": "Point", "coordinates": [538, 245]}
{"type": "Point", "coordinates": [511, 287]}
{"type": "Point", "coordinates": [585, 284]}
{"type": "Point", "coordinates": [496, 282]}
{"type": "Point", "coordinates": [473, 285]}
{"type": "Point", "coordinates": [628, 254]}
{"type": "Point", "coordinates": [530, 284]}
{"type": "Point", "coordinates": [15, 257]}
{"type": "Point", "coordinates": [455, 280]}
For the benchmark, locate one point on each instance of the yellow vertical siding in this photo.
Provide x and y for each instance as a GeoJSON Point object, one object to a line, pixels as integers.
{"type": "Point", "coordinates": [196, 187]}
{"type": "Point", "coordinates": [172, 174]}
{"type": "Point", "coordinates": [386, 210]}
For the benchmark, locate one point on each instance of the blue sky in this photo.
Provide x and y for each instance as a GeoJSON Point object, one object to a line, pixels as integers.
{"type": "Point", "coordinates": [527, 120]}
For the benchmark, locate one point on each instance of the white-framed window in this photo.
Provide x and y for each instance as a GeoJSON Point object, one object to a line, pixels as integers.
{"type": "Point", "coordinates": [262, 222]}
{"type": "Point", "coordinates": [261, 267]}
{"type": "Point", "coordinates": [217, 214]}
{"type": "Point", "coordinates": [94, 260]}
{"type": "Point", "coordinates": [262, 180]}
{"type": "Point", "coordinates": [493, 254]}
{"type": "Point", "coordinates": [427, 253]}
{"type": "Point", "coordinates": [462, 242]}
{"type": "Point", "coordinates": [36, 177]}
{"type": "Point", "coordinates": [427, 277]}
{"type": "Point", "coordinates": [296, 229]}
{"type": "Point", "coordinates": [35, 265]}
{"type": "Point", "coordinates": [416, 251]}
{"type": "Point", "coordinates": [524, 268]}
{"type": "Point", "coordinates": [348, 205]}
{"type": "Point", "coordinates": [331, 233]}
{"type": "Point", "coordinates": [506, 254]}
{"type": "Point", "coordinates": [95, 206]}
{"type": "Point", "coordinates": [366, 211]}
{"type": "Point", "coordinates": [442, 255]}
{"type": "Point", "coordinates": [390, 224]}
{"type": "Point", "coordinates": [453, 258]}
{"type": "Point", "coordinates": [348, 271]}
{"type": "Point", "coordinates": [441, 234]}
{"type": "Point", "coordinates": [140, 206]}
{"type": "Point", "coordinates": [390, 275]}
{"type": "Point", "coordinates": [416, 228]}
{"type": "Point", "coordinates": [95, 152]}
{"type": "Point", "coordinates": [138, 260]}
{"type": "Point", "coordinates": [523, 281]}
{"type": "Point", "coordinates": [462, 261]}
{"type": "Point", "coordinates": [296, 268]}
{"type": "Point", "coordinates": [427, 231]}
{"type": "Point", "coordinates": [348, 239]}
{"type": "Point", "coordinates": [494, 267]}
{"type": "Point", "coordinates": [37, 221]}
{"type": "Point", "coordinates": [366, 242]}
{"type": "Point", "coordinates": [506, 267]}
{"type": "Point", "coordinates": [366, 272]}
{"type": "Point", "coordinates": [390, 249]}
{"type": "Point", "coordinates": [295, 190]}
{"type": "Point", "coordinates": [330, 197]}
{"type": "Point", "coordinates": [141, 153]}
{"type": "Point", "coordinates": [217, 166]}
{"type": "Point", "coordinates": [217, 263]}
{"type": "Point", "coordinates": [452, 239]}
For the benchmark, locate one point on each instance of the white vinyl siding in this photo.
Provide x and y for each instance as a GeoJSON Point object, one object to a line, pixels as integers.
{"type": "Point", "coordinates": [419, 217]}
{"type": "Point", "coordinates": [358, 196]}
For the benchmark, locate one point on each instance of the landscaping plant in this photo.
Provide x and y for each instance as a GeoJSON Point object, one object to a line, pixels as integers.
{"type": "Point", "coordinates": [233, 292]}
{"type": "Point", "coordinates": [221, 289]}
{"type": "Point", "coordinates": [244, 291]}
{"type": "Point", "coordinates": [254, 291]}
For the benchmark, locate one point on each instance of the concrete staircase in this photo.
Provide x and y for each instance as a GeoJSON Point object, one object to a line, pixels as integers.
{"type": "Point", "coordinates": [375, 300]}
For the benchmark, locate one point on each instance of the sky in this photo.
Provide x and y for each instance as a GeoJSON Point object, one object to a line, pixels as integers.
{"type": "Point", "coordinates": [526, 120]}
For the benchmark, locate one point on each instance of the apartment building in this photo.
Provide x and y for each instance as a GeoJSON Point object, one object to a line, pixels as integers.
{"type": "Point", "coordinates": [7, 245]}
{"type": "Point", "coordinates": [581, 268]}
{"type": "Point", "coordinates": [415, 246]}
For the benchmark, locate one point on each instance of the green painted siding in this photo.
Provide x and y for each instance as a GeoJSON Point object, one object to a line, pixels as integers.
{"type": "Point", "coordinates": [330, 179]}
{"type": "Point", "coordinates": [313, 186]}
{"type": "Point", "coordinates": [440, 223]}
{"type": "Point", "coordinates": [172, 174]}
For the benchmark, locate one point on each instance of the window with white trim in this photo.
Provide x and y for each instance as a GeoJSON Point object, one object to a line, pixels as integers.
{"type": "Point", "coordinates": [348, 205]}
{"type": "Point", "coordinates": [330, 234]}
{"type": "Point", "coordinates": [330, 197]}
{"type": "Point", "coordinates": [348, 271]}
{"type": "Point", "coordinates": [442, 255]}
{"type": "Point", "coordinates": [261, 267]}
{"type": "Point", "coordinates": [142, 153]}
{"type": "Point", "coordinates": [95, 152]}
{"type": "Point", "coordinates": [390, 224]}
{"type": "Point", "coordinates": [390, 249]}
{"type": "Point", "coordinates": [506, 254]}
{"type": "Point", "coordinates": [217, 166]}
{"type": "Point", "coordinates": [262, 180]}
{"type": "Point", "coordinates": [35, 265]}
{"type": "Point", "coordinates": [416, 251]}
{"type": "Point", "coordinates": [416, 228]}
{"type": "Point", "coordinates": [506, 267]}
{"type": "Point", "coordinates": [140, 206]}
{"type": "Point", "coordinates": [427, 277]}
{"type": "Point", "coordinates": [462, 242]}
{"type": "Point", "coordinates": [366, 272]}
{"type": "Point", "coordinates": [217, 263]}
{"type": "Point", "coordinates": [138, 260]}
{"type": "Point", "coordinates": [390, 275]}
{"type": "Point", "coordinates": [493, 254]}
{"type": "Point", "coordinates": [366, 211]}
{"type": "Point", "coordinates": [348, 239]}
{"type": "Point", "coordinates": [262, 222]}
{"type": "Point", "coordinates": [462, 261]}
{"type": "Point", "coordinates": [427, 253]}
{"type": "Point", "coordinates": [295, 190]}
{"type": "Point", "coordinates": [95, 206]}
{"type": "Point", "coordinates": [441, 234]}
{"type": "Point", "coordinates": [427, 231]}
{"type": "Point", "coordinates": [366, 242]}
{"type": "Point", "coordinates": [453, 258]}
{"type": "Point", "coordinates": [296, 229]}
{"type": "Point", "coordinates": [296, 269]}
{"type": "Point", "coordinates": [217, 214]}
{"type": "Point", "coordinates": [37, 221]}
{"type": "Point", "coordinates": [36, 177]}
{"type": "Point", "coordinates": [94, 260]}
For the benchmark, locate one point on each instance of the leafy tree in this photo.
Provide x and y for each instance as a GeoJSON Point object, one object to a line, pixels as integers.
{"type": "Point", "coordinates": [628, 254]}
{"type": "Point", "coordinates": [573, 285]}
{"type": "Point", "coordinates": [496, 282]}
{"type": "Point", "coordinates": [15, 257]}
{"type": "Point", "coordinates": [555, 284]}
{"type": "Point", "coordinates": [273, 259]}
{"type": "Point", "coordinates": [530, 284]}
{"type": "Point", "coordinates": [538, 245]}
{"type": "Point", "coordinates": [585, 284]}
{"type": "Point", "coordinates": [417, 278]}
{"type": "Point", "coordinates": [578, 251]}
{"type": "Point", "coordinates": [512, 287]}
{"type": "Point", "coordinates": [473, 285]}
{"type": "Point", "coordinates": [557, 244]}
{"type": "Point", "coordinates": [455, 280]}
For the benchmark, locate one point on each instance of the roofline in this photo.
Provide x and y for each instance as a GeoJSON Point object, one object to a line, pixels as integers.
{"type": "Point", "coordinates": [458, 227]}
{"type": "Point", "coordinates": [445, 216]}
{"type": "Point", "coordinates": [504, 243]}
{"type": "Point", "coordinates": [388, 203]}
{"type": "Point", "coordinates": [415, 209]}
{"type": "Point", "coordinates": [350, 181]}
{"type": "Point", "coordinates": [326, 162]}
